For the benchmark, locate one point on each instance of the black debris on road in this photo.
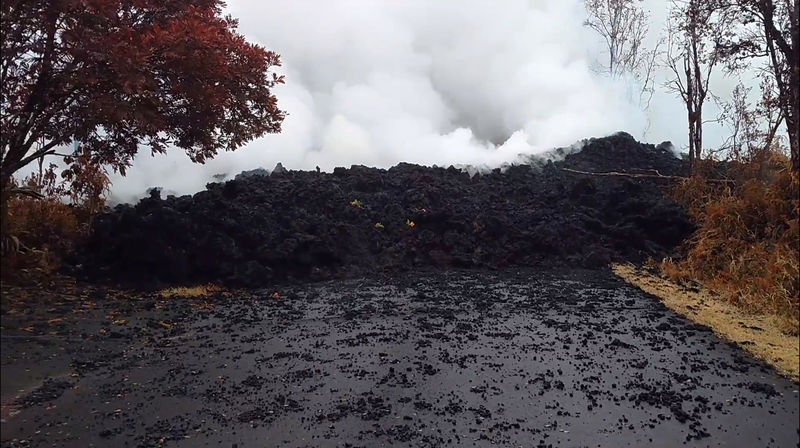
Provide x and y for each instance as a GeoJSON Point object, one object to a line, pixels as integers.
{"type": "Point", "coordinates": [568, 358]}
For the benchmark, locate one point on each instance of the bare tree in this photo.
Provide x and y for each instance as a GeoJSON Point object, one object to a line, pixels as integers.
{"type": "Point", "coordinates": [752, 128]}
{"type": "Point", "coordinates": [695, 30]}
{"type": "Point", "coordinates": [624, 25]}
{"type": "Point", "coordinates": [769, 35]}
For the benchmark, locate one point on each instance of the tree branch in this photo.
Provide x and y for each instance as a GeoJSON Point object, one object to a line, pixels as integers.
{"type": "Point", "coordinates": [655, 175]}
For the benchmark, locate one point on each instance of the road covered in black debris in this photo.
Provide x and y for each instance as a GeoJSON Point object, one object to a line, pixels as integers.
{"type": "Point", "coordinates": [519, 357]}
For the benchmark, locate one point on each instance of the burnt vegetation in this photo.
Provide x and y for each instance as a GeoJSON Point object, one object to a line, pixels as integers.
{"type": "Point", "coordinates": [748, 238]}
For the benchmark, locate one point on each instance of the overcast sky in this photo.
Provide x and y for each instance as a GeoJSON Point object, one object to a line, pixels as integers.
{"type": "Point", "coordinates": [377, 82]}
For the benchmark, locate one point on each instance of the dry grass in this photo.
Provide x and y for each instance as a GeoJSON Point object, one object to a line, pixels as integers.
{"type": "Point", "coordinates": [41, 232]}
{"type": "Point", "coordinates": [189, 292]}
{"type": "Point", "coordinates": [764, 336]}
{"type": "Point", "coordinates": [748, 240]}
{"type": "Point", "coordinates": [46, 229]}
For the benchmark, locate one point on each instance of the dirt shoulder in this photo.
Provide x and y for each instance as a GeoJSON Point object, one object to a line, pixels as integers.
{"type": "Point", "coordinates": [763, 336]}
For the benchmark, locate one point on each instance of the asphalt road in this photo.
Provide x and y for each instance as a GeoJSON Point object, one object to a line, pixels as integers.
{"type": "Point", "coordinates": [522, 358]}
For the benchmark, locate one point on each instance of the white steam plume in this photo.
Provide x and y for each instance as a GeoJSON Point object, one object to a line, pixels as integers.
{"type": "Point", "coordinates": [377, 82]}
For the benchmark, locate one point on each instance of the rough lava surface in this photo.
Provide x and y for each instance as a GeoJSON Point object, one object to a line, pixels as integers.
{"type": "Point", "coordinates": [261, 229]}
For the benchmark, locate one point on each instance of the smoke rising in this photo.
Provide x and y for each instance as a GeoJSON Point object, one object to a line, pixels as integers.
{"type": "Point", "coordinates": [378, 82]}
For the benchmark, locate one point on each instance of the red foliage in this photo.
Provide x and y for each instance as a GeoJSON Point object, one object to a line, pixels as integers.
{"type": "Point", "coordinates": [117, 74]}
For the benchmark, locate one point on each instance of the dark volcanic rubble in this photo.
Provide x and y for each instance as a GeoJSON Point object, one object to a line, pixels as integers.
{"type": "Point", "coordinates": [294, 225]}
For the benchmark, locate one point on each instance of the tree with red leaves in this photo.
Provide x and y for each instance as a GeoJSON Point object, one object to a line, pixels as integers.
{"type": "Point", "coordinates": [120, 75]}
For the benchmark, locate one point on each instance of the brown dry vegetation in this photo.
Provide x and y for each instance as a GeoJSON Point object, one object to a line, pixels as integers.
{"type": "Point", "coordinates": [45, 229]}
{"type": "Point", "coordinates": [189, 292]}
{"type": "Point", "coordinates": [46, 225]}
{"type": "Point", "coordinates": [746, 247]}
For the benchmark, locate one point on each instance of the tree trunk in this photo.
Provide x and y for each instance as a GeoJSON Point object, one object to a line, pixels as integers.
{"type": "Point", "coordinates": [691, 145]}
{"type": "Point", "coordinates": [695, 139]}
{"type": "Point", "coordinates": [5, 194]}
{"type": "Point", "coordinates": [793, 143]}
{"type": "Point", "coordinates": [793, 109]}
{"type": "Point", "coordinates": [698, 133]}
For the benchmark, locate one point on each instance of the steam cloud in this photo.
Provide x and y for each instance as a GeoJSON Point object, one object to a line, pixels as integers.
{"type": "Point", "coordinates": [378, 82]}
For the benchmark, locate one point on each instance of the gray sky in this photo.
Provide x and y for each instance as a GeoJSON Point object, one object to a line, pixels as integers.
{"type": "Point", "coordinates": [377, 82]}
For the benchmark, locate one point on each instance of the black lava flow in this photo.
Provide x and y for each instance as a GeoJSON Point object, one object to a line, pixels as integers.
{"type": "Point", "coordinates": [296, 225]}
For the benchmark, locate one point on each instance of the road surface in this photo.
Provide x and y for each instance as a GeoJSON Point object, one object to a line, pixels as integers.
{"type": "Point", "coordinates": [528, 358]}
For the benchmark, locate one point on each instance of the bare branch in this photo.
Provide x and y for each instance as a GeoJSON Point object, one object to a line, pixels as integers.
{"type": "Point", "coordinates": [623, 26]}
{"type": "Point", "coordinates": [655, 175]}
